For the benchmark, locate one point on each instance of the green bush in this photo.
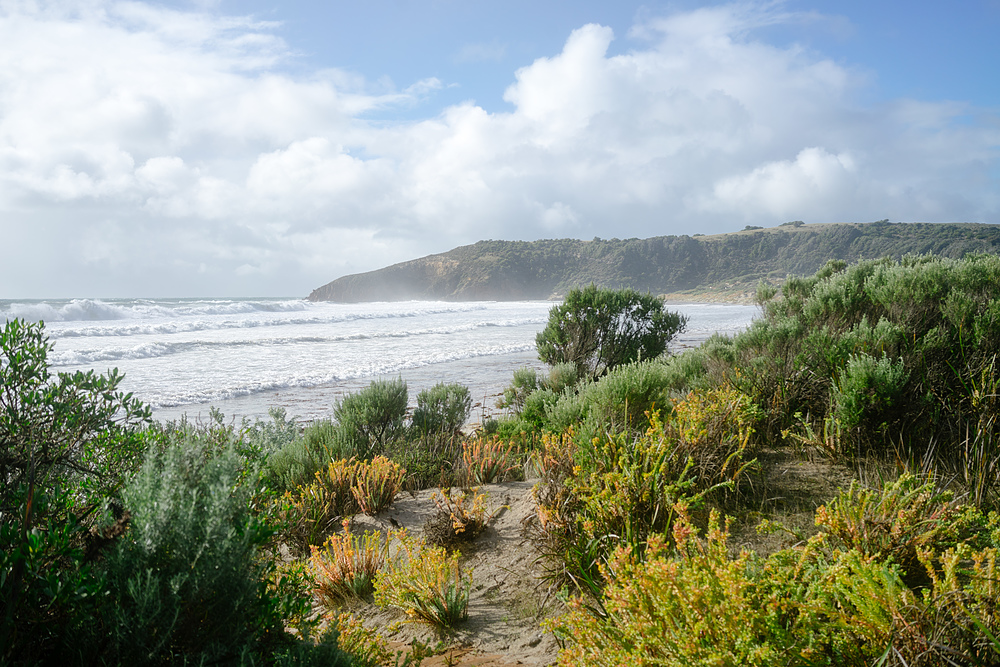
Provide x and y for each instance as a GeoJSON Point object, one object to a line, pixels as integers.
{"type": "Point", "coordinates": [701, 367]}
{"type": "Point", "coordinates": [442, 408]}
{"type": "Point", "coordinates": [298, 461]}
{"type": "Point", "coordinates": [261, 439]}
{"type": "Point", "coordinates": [67, 444]}
{"type": "Point", "coordinates": [562, 376]}
{"type": "Point", "coordinates": [536, 408]}
{"type": "Point", "coordinates": [58, 590]}
{"type": "Point", "coordinates": [869, 393]}
{"type": "Point", "coordinates": [430, 459]}
{"type": "Point", "coordinates": [622, 398]}
{"type": "Point", "coordinates": [599, 329]}
{"type": "Point", "coordinates": [74, 429]}
{"type": "Point", "coordinates": [897, 352]}
{"type": "Point", "coordinates": [188, 582]}
{"type": "Point", "coordinates": [622, 487]}
{"type": "Point", "coordinates": [524, 382]}
{"type": "Point", "coordinates": [371, 418]}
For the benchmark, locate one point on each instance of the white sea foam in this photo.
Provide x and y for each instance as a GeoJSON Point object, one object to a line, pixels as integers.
{"type": "Point", "coordinates": [193, 352]}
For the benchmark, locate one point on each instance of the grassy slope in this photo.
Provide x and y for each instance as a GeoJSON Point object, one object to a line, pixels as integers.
{"type": "Point", "coordinates": [727, 263]}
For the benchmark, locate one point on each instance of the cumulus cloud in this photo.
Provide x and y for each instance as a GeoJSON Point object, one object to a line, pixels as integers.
{"type": "Point", "coordinates": [146, 150]}
{"type": "Point", "coordinates": [803, 186]}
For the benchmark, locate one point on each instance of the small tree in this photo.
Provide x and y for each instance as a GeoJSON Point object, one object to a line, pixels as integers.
{"type": "Point", "coordinates": [599, 329]}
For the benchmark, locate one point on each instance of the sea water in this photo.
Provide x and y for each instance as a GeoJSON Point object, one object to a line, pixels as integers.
{"type": "Point", "coordinates": [244, 356]}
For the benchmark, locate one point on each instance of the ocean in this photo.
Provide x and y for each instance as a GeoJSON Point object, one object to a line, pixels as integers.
{"type": "Point", "coordinates": [244, 356]}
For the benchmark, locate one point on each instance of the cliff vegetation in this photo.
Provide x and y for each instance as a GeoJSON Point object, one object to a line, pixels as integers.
{"type": "Point", "coordinates": [728, 264]}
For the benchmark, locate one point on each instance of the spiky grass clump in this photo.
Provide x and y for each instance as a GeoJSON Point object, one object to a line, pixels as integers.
{"type": "Point", "coordinates": [426, 583]}
{"type": "Point", "coordinates": [376, 484]}
{"type": "Point", "coordinates": [461, 516]}
{"type": "Point", "coordinates": [366, 647]}
{"type": "Point", "coordinates": [489, 460]}
{"type": "Point", "coordinates": [346, 566]}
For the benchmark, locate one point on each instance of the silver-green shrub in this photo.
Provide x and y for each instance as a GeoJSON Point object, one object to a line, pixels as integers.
{"type": "Point", "coordinates": [444, 408]}
{"type": "Point", "coordinates": [188, 582]}
{"type": "Point", "coordinates": [371, 418]}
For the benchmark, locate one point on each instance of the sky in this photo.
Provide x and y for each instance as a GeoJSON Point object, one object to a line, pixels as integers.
{"type": "Point", "coordinates": [257, 148]}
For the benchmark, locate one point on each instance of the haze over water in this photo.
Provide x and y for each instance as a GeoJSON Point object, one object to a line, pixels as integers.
{"type": "Point", "coordinates": [247, 355]}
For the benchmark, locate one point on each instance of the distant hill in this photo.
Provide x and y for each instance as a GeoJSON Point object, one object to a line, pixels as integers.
{"type": "Point", "coordinates": [726, 264]}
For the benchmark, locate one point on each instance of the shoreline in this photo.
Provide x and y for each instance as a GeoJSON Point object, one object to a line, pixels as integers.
{"type": "Point", "coordinates": [485, 377]}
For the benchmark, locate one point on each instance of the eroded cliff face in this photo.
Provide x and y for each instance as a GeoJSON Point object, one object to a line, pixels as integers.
{"type": "Point", "coordinates": [520, 270]}
{"type": "Point", "coordinates": [486, 271]}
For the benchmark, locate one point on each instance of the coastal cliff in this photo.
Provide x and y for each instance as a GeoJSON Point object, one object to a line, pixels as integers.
{"type": "Point", "coordinates": [728, 263]}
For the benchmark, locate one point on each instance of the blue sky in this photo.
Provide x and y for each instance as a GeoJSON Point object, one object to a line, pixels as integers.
{"type": "Point", "coordinates": [932, 50]}
{"type": "Point", "coordinates": [262, 148]}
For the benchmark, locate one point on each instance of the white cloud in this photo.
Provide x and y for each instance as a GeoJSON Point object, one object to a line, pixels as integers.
{"type": "Point", "coordinates": [805, 186]}
{"type": "Point", "coordinates": [148, 150]}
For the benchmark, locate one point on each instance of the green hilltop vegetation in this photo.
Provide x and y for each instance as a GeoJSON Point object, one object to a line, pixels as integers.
{"type": "Point", "coordinates": [730, 264]}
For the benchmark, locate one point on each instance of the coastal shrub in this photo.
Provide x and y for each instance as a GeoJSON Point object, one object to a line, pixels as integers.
{"type": "Point", "coordinates": [298, 461]}
{"type": "Point", "coordinates": [524, 382]}
{"type": "Point", "coordinates": [897, 521]}
{"type": "Point", "coordinates": [346, 565]}
{"type": "Point", "coordinates": [68, 443]}
{"type": "Point", "coordinates": [600, 329]}
{"type": "Point", "coordinates": [261, 439]}
{"type": "Point", "coordinates": [189, 582]}
{"type": "Point", "coordinates": [425, 583]}
{"type": "Point", "coordinates": [430, 459]}
{"type": "Point", "coordinates": [58, 590]}
{"type": "Point", "coordinates": [568, 411]}
{"type": "Point", "coordinates": [536, 408]}
{"type": "Point", "coordinates": [621, 399]}
{"type": "Point", "coordinates": [562, 376]}
{"type": "Point", "coordinates": [869, 392]}
{"type": "Point", "coordinates": [445, 407]}
{"type": "Point", "coordinates": [371, 418]}
{"type": "Point", "coordinates": [699, 368]}
{"type": "Point", "coordinates": [894, 351]}
{"type": "Point", "coordinates": [697, 608]}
